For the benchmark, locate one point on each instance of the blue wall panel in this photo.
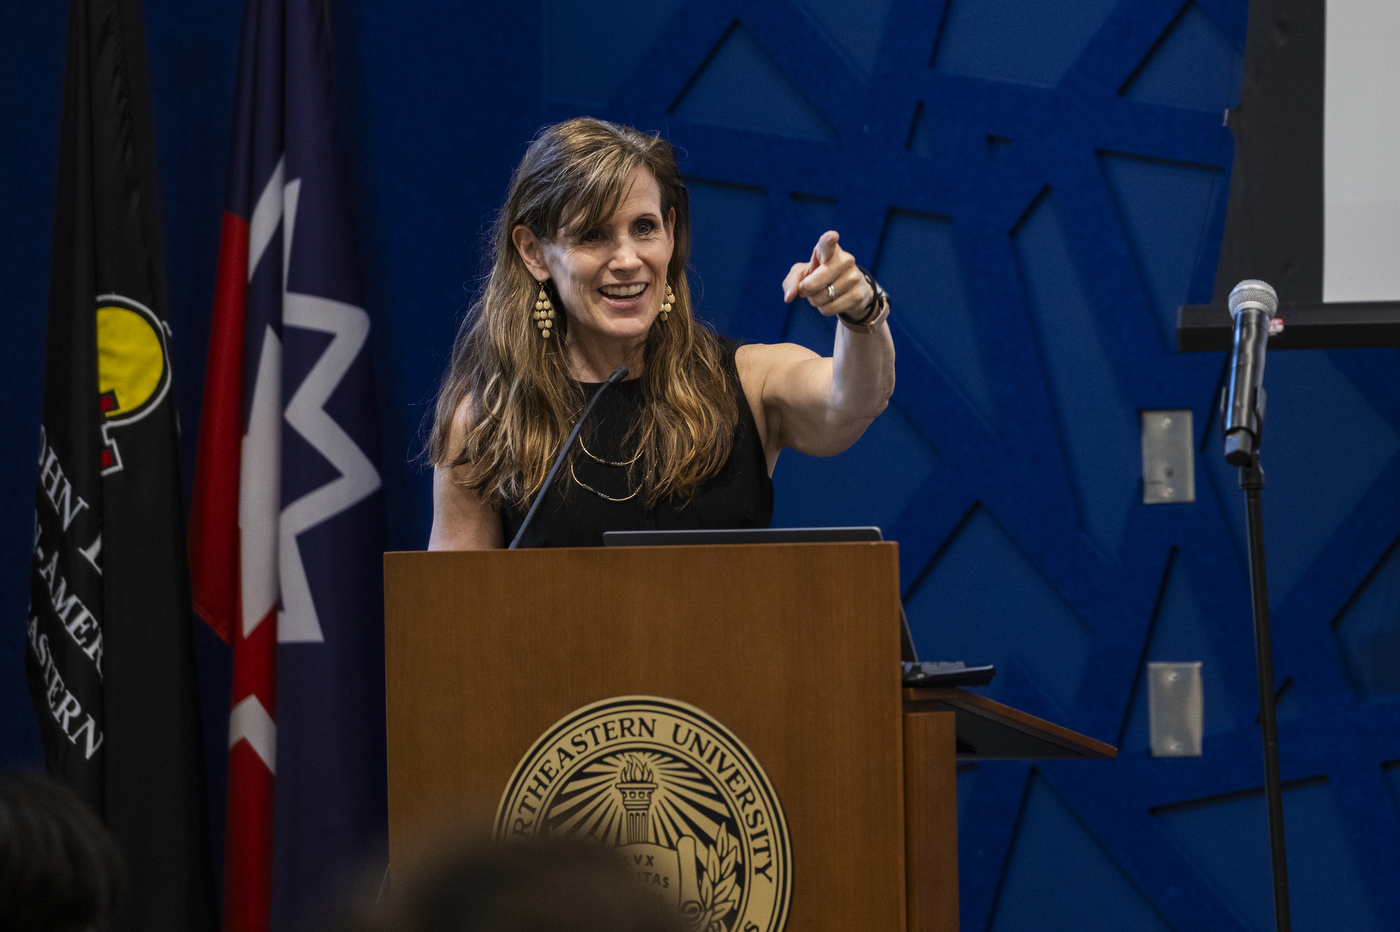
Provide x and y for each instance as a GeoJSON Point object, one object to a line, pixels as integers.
{"type": "Point", "coordinates": [1165, 210]}
{"type": "Point", "coordinates": [1194, 65]}
{"type": "Point", "coordinates": [984, 600]}
{"type": "Point", "coordinates": [1040, 184]}
{"type": "Point", "coordinates": [1368, 631]}
{"type": "Point", "coordinates": [592, 48]}
{"type": "Point", "coordinates": [743, 88]}
{"type": "Point", "coordinates": [726, 221]}
{"type": "Point", "coordinates": [920, 256]}
{"type": "Point", "coordinates": [1093, 418]}
{"type": "Point", "coordinates": [1060, 878]}
{"type": "Point", "coordinates": [1230, 840]}
{"type": "Point", "coordinates": [1017, 40]}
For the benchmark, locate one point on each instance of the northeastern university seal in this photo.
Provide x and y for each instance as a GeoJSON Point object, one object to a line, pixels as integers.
{"type": "Point", "coordinates": [680, 797]}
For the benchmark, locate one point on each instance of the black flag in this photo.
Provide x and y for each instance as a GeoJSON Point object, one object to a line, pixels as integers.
{"type": "Point", "coordinates": [110, 656]}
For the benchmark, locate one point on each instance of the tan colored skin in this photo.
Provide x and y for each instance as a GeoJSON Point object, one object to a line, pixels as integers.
{"type": "Point", "coordinates": [814, 404]}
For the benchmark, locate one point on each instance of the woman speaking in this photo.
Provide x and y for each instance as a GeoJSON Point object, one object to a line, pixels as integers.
{"type": "Point", "coordinates": [588, 275]}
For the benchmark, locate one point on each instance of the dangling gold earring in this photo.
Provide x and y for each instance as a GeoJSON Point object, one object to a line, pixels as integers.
{"type": "Point", "coordinates": [669, 302]}
{"type": "Point", "coordinates": [544, 312]}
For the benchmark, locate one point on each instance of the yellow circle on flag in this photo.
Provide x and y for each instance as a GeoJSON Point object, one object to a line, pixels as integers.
{"type": "Point", "coordinates": [130, 359]}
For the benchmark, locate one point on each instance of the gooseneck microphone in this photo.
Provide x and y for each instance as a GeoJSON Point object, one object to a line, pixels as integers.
{"type": "Point", "coordinates": [1252, 305]}
{"type": "Point", "coordinates": [618, 375]}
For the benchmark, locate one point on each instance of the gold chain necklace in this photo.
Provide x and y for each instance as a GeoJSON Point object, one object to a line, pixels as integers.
{"type": "Point", "coordinates": [598, 459]}
{"type": "Point", "coordinates": [602, 495]}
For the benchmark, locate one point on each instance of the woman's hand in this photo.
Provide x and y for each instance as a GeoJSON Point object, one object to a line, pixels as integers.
{"type": "Point", "coordinates": [830, 281]}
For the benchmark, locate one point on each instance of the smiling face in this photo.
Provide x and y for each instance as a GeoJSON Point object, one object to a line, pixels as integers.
{"type": "Point", "coordinates": [611, 278]}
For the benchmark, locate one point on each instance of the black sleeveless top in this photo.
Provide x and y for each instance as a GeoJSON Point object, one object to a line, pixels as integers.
{"type": "Point", "coordinates": [740, 495]}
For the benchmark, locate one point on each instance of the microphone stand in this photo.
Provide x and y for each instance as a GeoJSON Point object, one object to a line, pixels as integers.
{"type": "Point", "coordinates": [1253, 304]}
{"type": "Point", "coordinates": [1252, 483]}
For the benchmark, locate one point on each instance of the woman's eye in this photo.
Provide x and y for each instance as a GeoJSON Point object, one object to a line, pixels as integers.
{"type": "Point", "coordinates": [591, 236]}
{"type": "Point", "coordinates": [644, 227]}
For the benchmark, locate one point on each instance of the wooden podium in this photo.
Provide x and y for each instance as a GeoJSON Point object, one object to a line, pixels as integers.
{"type": "Point", "coordinates": [793, 647]}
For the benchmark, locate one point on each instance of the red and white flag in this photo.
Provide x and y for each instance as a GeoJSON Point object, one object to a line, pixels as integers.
{"type": "Point", "coordinates": [287, 528]}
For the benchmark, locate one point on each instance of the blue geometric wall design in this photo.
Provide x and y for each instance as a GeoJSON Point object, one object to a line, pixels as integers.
{"type": "Point", "coordinates": [1193, 66]}
{"type": "Point", "coordinates": [1099, 430]}
{"type": "Point", "coordinates": [1060, 879]}
{"type": "Point", "coordinates": [1392, 776]}
{"type": "Point", "coordinates": [1040, 183]}
{"type": "Point", "coordinates": [1318, 855]}
{"type": "Point", "coordinates": [821, 211]}
{"type": "Point", "coordinates": [1033, 41]}
{"type": "Point", "coordinates": [921, 133]}
{"type": "Point", "coordinates": [919, 257]}
{"type": "Point", "coordinates": [576, 30]}
{"type": "Point", "coordinates": [958, 611]}
{"type": "Point", "coordinates": [725, 222]}
{"type": "Point", "coordinates": [1165, 209]}
{"type": "Point", "coordinates": [856, 26]}
{"type": "Point", "coordinates": [894, 450]}
{"type": "Point", "coordinates": [743, 87]}
{"type": "Point", "coordinates": [1368, 632]}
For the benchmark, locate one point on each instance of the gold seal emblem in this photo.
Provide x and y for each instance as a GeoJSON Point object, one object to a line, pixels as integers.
{"type": "Point", "coordinates": [680, 797]}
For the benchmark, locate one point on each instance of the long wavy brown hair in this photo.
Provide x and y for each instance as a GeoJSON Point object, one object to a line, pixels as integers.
{"type": "Point", "coordinates": [521, 399]}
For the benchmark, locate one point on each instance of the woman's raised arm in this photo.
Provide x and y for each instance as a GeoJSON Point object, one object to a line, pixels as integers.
{"type": "Point", "coordinates": [813, 404]}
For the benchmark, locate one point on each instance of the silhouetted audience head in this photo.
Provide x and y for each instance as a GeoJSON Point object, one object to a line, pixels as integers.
{"type": "Point", "coordinates": [59, 869]}
{"type": "Point", "coordinates": [554, 885]}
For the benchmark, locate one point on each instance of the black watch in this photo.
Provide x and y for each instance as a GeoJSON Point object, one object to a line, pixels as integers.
{"type": "Point", "coordinates": [879, 302]}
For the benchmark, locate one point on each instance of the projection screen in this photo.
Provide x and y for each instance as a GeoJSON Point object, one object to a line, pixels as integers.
{"type": "Point", "coordinates": [1361, 152]}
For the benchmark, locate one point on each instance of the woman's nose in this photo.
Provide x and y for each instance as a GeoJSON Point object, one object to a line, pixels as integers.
{"type": "Point", "coordinates": [626, 255]}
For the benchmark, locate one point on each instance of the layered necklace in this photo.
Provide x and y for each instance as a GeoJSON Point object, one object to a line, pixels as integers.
{"type": "Point", "coordinates": [598, 459]}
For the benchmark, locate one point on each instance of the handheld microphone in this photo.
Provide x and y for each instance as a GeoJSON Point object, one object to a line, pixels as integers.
{"type": "Point", "coordinates": [618, 375]}
{"type": "Point", "coordinates": [1252, 304]}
